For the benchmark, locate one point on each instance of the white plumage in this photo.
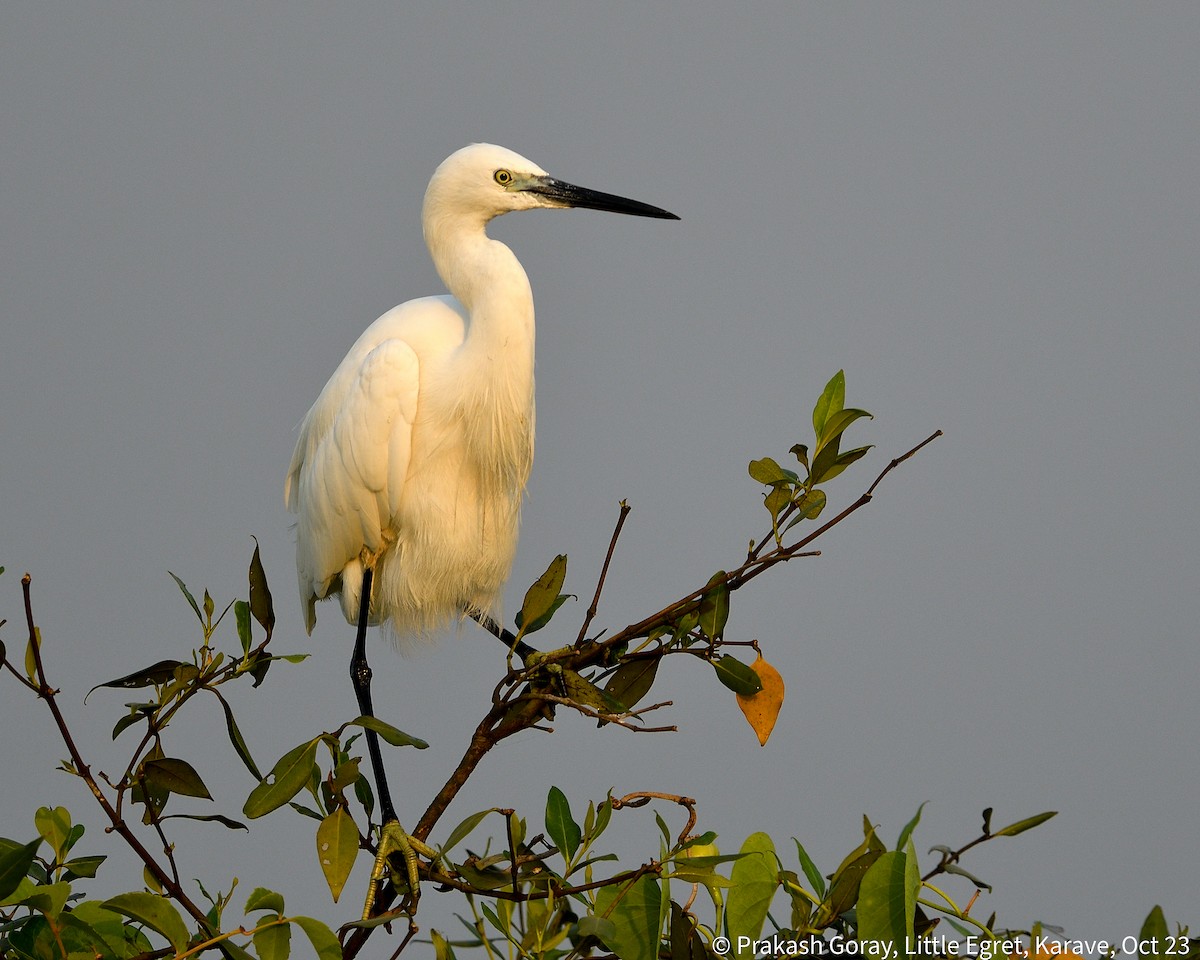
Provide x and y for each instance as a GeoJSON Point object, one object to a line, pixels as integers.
{"type": "Point", "coordinates": [415, 456]}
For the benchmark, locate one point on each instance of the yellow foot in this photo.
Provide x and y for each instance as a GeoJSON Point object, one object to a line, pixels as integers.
{"type": "Point", "coordinates": [393, 839]}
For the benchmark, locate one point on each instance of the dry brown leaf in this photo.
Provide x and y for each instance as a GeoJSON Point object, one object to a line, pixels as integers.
{"type": "Point", "coordinates": [762, 709]}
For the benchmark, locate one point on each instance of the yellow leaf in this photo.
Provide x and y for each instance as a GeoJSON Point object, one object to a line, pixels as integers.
{"type": "Point", "coordinates": [762, 709]}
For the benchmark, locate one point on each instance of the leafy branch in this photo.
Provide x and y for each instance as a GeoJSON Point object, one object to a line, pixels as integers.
{"type": "Point", "coordinates": [554, 894]}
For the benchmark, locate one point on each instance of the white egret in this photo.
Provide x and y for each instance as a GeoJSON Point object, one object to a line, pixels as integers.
{"type": "Point", "coordinates": [409, 469]}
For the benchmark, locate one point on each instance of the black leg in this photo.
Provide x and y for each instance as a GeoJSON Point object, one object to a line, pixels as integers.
{"type": "Point", "coordinates": [360, 674]}
{"type": "Point", "coordinates": [507, 637]}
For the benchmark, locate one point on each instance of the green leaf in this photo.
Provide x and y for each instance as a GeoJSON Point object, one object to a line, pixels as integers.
{"type": "Point", "coordinates": [737, 676]}
{"type": "Point", "coordinates": [542, 598]}
{"type": "Point", "coordinates": [263, 899]}
{"type": "Point", "coordinates": [31, 647]}
{"type": "Point", "coordinates": [14, 864]}
{"type": "Point", "coordinates": [809, 506]}
{"type": "Point", "coordinates": [1027, 824]}
{"type": "Point", "coordinates": [714, 606]}
{"type": "Point", "coordinates": [261, 605]}
{"type": "Point", "coordinates": [172, 775]}
{"type": "Point", "coordinates": [516, 830]}
{"type": "Point", "coordinates": [777, 500]}
{"type": "Point", "coordinates": [209, 818]}
{"type": "Point", "coordinates": [321, 937]}
{"type": "Point", "coordinates": [258, 667]}
{"type": "Point", "coordinates": [441, 946]}
{"type": "Point", "coordinates": [158, 913]}
{"type": "Point", "coordinates": [83, 867]}
{"type": "Point", "coordinates": [158, 673]}
{"type": "Point", "coordinates": [1153, 935]}
{"type": "Point", "coordinates": [54, 825]}
{"type": "Point", "coordinates": [963, 872]}
{"type": "Point", "coordinates": [502, 920]}
{"type": "Point", "coordinates": [397, 738]}
{"type": "Point", "coordinates": [847, 879]}
{"type": "Point", "coordinates": [681, 931]}
{"type": "Point", "coordinates": [769, 472]}
{"type": "Point", "coordinates": [190, 599]}
{"type": "Point", "coordinates": [842, 461]}
{"type": "Point", "coordinates": [136, 712]}
{"type": "Point", "coordinates": [241, 616]}
{"type": "Point", "coordinates": [25, 886]}
{"type": "Point", "coordinates": [632, 680]}
{"type": "Point", "coordinates": [287, 778]}
{"type": "Point", "coordinates": [47, 898]}
{"type": "Point", "coordinates": [238, 741]}
{"type": "Point", "coordinates": [561, 826]}
{"type": "Point", "coordinates": [832, 400]}
{"type": "Point", "coordinates": [580, 689]}
{"type": "Point", "coordinates": [663, 828]}
{"type": "Point", "coordinates": [810, 869]}
{"type": "Point", "coordinates": [837, 423]}
{"type": "Point", "coordinates": [460, 833]}
{"type": "Point", "coordinates": [910, 826]}
{"type": "Point", "coordinates": [103, 930]}
{"type": "Point", "coordinates": [600, 927]}
{"type": "Point", "coordinates": [541, 621]}
{"type": "Point", "coordinates": [685, 625]}
{"type": "Point", "coordinates": [755, 879]}
{"type": "Point", "coordinates": [337, 847]}
{"type": "Point", "coordinates": [274, 942]}
{"type": "Point", "coordinates": [634, 910]}
{"type": "Point", "coordinates": [824, 459]}
{"type": "Point", "coordinates": [603, 816]}
{"type": "Point", "coordinates": [885, 912]}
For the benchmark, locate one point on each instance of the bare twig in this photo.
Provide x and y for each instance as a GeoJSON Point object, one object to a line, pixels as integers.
{"type": "Point", "coordinates": [900, 459]}
{"type": "Point", "coordinates": [612, 545]}
{"type": "Point", "coordinates": [643, 797]}
{"type": "Point", "coordinates": [620, 719]}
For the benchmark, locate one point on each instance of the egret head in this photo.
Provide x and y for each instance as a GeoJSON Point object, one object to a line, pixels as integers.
{"type": "Point", "coordinates": [483, 181]}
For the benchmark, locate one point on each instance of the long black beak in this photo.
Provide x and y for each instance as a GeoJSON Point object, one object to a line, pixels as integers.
{"type": "Point", "coordinates": [570, 195]}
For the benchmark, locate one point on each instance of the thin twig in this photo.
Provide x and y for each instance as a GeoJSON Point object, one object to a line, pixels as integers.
{"type": "Point", "coordinates": [643, 797]}
{"type": "Point", "coordinates": [756, 565]}
{"type": "Point", "coordinates": [620, 719]}
{"type": "Point", "coordinates": [612, 545]}
{"type": "Point", "coordinates": [900, 459]}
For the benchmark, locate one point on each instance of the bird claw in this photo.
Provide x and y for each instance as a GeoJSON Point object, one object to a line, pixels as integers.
{"type": "Point", "coordinates": [536, 658]}
{"type": "Point", "coordinates": [393, 839]}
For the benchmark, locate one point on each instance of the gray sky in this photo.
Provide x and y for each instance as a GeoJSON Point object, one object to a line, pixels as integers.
{"type": "Point", "coordinates": [987, 214]}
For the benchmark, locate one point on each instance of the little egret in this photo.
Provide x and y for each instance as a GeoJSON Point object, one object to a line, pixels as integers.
{"type": "Point", "coordinates": [409, 469]}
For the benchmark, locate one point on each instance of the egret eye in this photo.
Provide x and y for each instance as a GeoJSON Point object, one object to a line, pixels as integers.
{"type": "Point", "coordinates": [502, 177]}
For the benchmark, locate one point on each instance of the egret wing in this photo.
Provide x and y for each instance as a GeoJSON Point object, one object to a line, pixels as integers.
{"type": "Point", "coordinates": [351, 457]}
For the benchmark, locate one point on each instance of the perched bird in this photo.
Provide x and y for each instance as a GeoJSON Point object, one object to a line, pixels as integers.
{"type": "Point", "coordinates": [409, 470]}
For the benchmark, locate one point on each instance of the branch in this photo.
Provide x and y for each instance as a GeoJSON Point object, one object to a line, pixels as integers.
{"type": "Point", "coordinates": [45, 692]}
{"type": "Point", "coordinates": [755, 564]}
{"type": "Point", "coordinates": [508, 716]}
